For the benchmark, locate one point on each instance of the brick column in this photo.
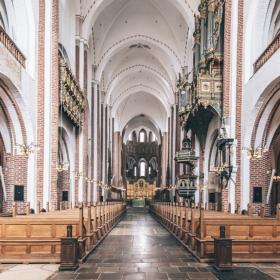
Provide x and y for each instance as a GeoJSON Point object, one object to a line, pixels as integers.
{"type": "Point", "coordinates": [227, 58]}
{"type": "Point", "coordinates": [239, 94]}
{"type": "Point", "coordinates": [40, 110]}
{"type": "Point", "coordinates": [54, 103]}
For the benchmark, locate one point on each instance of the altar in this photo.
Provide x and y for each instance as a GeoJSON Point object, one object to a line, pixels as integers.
{"type": "Point", "coordinates": [141, 190]}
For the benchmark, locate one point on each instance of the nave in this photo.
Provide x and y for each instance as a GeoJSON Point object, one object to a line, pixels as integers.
{"type": "Point", "coordinates": [140, 248]}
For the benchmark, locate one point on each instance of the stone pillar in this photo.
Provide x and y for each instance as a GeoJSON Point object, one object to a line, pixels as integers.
{"type": "Point", "coordinates": [86, 153]}
{"type": "Point", "coordinates": [76, 177]}
{"type": "Point", "coordinates": [95, 141]}
{"type": "Point", "coordinates": [92, 141]}
{"type": "Point", "coordinates": [164, 157]}
{"type": "Point", "coordinates": [117, 158]}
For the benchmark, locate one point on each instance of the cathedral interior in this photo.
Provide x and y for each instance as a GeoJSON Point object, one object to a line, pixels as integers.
{"type": "Point", "coordinates": [130, 123]}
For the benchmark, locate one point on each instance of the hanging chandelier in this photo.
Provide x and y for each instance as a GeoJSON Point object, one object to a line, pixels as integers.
{"type": "Point", "coordinates": [26, 149]}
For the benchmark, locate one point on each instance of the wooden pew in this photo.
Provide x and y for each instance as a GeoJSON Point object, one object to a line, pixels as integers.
{"type": "Point", "coordinates": [37, 238]}
{"type": "Point", "coordinates": [255, 238]}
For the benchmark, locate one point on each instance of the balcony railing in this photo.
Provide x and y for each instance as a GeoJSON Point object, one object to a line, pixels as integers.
{"type": "Point", "coordinates": [268, 53]}
{"type": "Point", "coordinates": [7, 41]}
{"type": "Point", "coordinates": [72, 98]}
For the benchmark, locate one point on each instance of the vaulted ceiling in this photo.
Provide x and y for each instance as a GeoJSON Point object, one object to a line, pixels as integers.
{"type": "Point", "coordinates": [138, 49]}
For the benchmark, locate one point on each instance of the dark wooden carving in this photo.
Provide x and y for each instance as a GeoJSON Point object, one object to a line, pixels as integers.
{"type": "Point", "coordinates": [69, 254]}
{"type": "Point", "coordinates": [223, 253]}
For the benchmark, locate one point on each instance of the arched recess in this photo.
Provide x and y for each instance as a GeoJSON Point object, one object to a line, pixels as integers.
{"type": "Point", "coordinates": [274, 195]}
{"type": "Point", "coordinates": [138, 123]}
{"type": "Point", "coordinates": [265, 136]}
{"type": "Point", "coordinates": [134, 136]}
{"type": "Point", "coordinates": [16, 132]}
{"type": "Point", "coordinates": [150, 136]}
{"type": "Point", "coordinates": [213, 183]}
{"type": "Point", "coordinates": [153, 167]}
{"type": "Point", "coordinates": [63, 178]}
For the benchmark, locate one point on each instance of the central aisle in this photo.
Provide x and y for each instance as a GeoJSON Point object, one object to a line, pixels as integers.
{"type": "Point", "coordinates": [139, 248]}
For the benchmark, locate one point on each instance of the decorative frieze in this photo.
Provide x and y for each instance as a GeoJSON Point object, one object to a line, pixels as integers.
{"type": "Point", "coordinates": [268, 53]}
{"type": "Point", "coordinates": [7, 41]}
{"type": "Point", "coordinates": [72, 98]}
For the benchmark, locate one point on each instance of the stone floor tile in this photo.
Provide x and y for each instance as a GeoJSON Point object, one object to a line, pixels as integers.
{"type": "Point", "coordinates": [148, 269]}
{"type": "Point", "coordinates": [108, 276]}
{"type": "Point", "coordinates": [128, 269]}
{"type": "Point", "coordinates": [134, 276]}
{"type": "Point", "coordinates": [108, 269]}
{"type": "Point", "coordinates": [201, 275]}
{"type": "Point", "coordinates": [88, 276]}
{"type": "Point", "coordinates": [156, 275]}
{"type": "Point", "coordinates": [139, 248]}
{"type": "Point", "coordinates": [177, 276]}
{"type": "Point", "coordinates": [187, 269]}
{"type": "Point", "coordinates": [169, 269]}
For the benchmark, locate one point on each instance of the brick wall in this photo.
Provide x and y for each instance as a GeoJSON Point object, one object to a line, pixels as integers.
{"type": "Point", "coordinates": [15, 173]}
{"type": "Point", "coordinates": [63, 184]}
{"type": "Point", "coordinates": [260, 175]}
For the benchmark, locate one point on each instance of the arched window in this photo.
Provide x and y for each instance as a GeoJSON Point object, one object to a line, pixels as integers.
{"type": "Point", "coordinates": [142, 169]}
{"type": "Point", "coordinates": [142, 137]}
{"type": "Point", "coordinates": [135, 171]}
{"type": "Point", "coordinates": [130, 137]}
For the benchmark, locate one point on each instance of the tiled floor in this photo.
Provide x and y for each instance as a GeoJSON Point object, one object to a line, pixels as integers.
{"type": "Point", "coordinates": [27, 271]}
{"type": "Point", "coordinates": [139, 248]}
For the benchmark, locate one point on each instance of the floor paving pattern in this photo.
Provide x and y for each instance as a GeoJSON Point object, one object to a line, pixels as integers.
{"type": "Point", "coordinates": [139, 248]}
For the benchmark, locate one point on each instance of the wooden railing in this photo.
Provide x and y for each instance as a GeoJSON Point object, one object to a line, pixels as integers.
{"type": "Point", "coordinates": [7, 41]}
{"type": "Point", "coordinates": [37, 238]}
{"type": "Point", "coordinates": [267, 53]}
{"type": "Point", "coordinates": [255, 239]}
